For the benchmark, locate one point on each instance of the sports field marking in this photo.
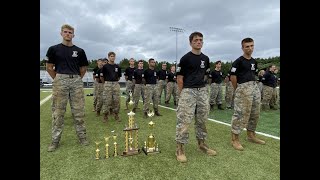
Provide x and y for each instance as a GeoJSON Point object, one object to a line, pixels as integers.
{"type": "Point", "coordinates": [45, 99]}
{"type": "Point", "coordinates": [261, 133]}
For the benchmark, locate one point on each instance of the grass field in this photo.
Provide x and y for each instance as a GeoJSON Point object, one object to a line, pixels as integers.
{"type": "Point", "coordinates": [73, 161]}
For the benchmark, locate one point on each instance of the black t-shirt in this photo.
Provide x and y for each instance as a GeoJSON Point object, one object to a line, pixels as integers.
{"type": "Point", "coordinates": [269, 79]}
{"type": "Point", "coordinates": [245, 70]}
{"type": "Point", "coordinates": [150, 76]}
{"type": "Point", "coordinates": [67, 60]}
{"type": "Point", "coordinates": [95, 70]}
{"type": "Point", "coordinates": [138, 75]}
{"type": "Point", "coordinates": [129, 72]}
{"type": "Point", "coordinates": [97, 76]}
{"type": "Point", "coordinates": [216, 76]}
{"type": "Point", "coordinates": [111, 72]}
{"type": "Point", "coordinates": [162, 74]}
{"type": "Point", "coordinates": [172, 77]}
{"type": "Point", "coordinates": [193, 68]}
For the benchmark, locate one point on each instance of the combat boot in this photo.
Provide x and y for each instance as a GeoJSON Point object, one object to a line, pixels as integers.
{"type": "Point", "coordinates": [220, 107]}
{"type": "Point", "coordinates": [157, 113]}
{"type": "Point", "coordinates": [84, 141]}
{"type": "Point", "coordinates": [53, 146]}
{"type": "Point", "coordinates": [116, 117]}
{"type": "Point", "coordinates": [235, 142]}
{"type": "Point", "coordinates": [98, 113]}
{"type": "Point", "coordinates": [145, 115]}
{"type": "Point", "coordinates": [166, 103]}
{"type": "Point", "coordinates": [205, 148]}
{"type": "Point", "coordinates": [181, 157]}
{"type": "Point", "coordinates": [105, 117]}
{"type": "Point", "coordinates": [265, 107]}
{"type": "Point", "coordinates": [211, 107]}
{"type": "Point", "coordinates": [134, 110]}
{"type": "Point", "coordinates": [252, 138]}
{"type": "Point", "coordinates": [273, 107]}
{"type": "Point", "coordinates": [126, 106]}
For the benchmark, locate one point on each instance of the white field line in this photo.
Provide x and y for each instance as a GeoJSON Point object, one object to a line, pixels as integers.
{"type": "Point", "coordinates": [213, 120]}
{"type": "Point", "coordinates": [45, 99]}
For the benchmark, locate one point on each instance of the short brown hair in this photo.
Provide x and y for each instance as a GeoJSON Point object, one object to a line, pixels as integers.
{"type": "Point", "coordinates": [195, 34]}
{"type": "Point", "coordinates": [67, 26]}
{"type": "Point", "coordinates": [111, 53]}
{"type": "Point", "coordinates": [246, 40]}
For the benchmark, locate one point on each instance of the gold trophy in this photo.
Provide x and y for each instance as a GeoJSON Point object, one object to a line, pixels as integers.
{"type": "Point", "coordinates": [97, 150]}
{"type": "Point", "coordinates": [107, 146]}
{"type": "Point", "coordinates": [115, 153]}
{"type": "Point", "coordinates": [151, 146]}
{"type": "Point", "coordinates": [131, 133]}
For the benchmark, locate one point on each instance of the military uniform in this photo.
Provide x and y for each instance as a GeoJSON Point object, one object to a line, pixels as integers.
{"type": "Point", "coordinates": [99, 93]}
{"type": "Point", "coordinates": [216, 88]}
{"type": "Point", "coordinates": [172, 88]}
{"type": "Point", "coordinates": [95, 89]}
{"type": "Point", "coordinates": [67, 85]}
{"type": "Point", "coordinates": [129, 85]}
{"type": "Point", "coordinates": [162, 83]}
{"type": "Point", "coordinates": [111, 74]}
{"type": "Point", "coordinates": [138, 87]}
{"type": "Point", "coordinates": [269, 81]}
{"type": "Point", "coordinates": [151, 90]}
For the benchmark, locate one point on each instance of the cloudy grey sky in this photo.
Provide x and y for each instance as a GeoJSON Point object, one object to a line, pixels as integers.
{"type": "Point", "coordinates": [140, 28]}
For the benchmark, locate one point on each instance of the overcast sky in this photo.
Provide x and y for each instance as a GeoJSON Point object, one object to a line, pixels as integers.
{"type": "Point", "coordinates": [140, 28]}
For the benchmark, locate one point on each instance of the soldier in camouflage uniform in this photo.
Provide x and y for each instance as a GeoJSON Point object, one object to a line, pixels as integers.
{"type": "Point", "coordinates": [67, 64]}
{"type": "Point", "coordinates": [193, 100]}
{"type": "Point", "coordinates": [274, 101]}
{"type": "Point", "coordinates": [247, 96]}
{"type": "Point", "coordinates": [138, 85]}
{"type": "Point", "coordinates": [172, 87]}
{"type": "Point", "coordinates": [162, 83]}
{"type": "Point", "coordinates": [215, 81]}
{"type": "Point", "coordinates": [269, 81]}
{"type": "Point", "coordinates": [110, 75]}
{"type": "Point", "coordinates": [95, 84]}
{"type": "Point", "coordinates": [128, 73]}
{"type": "Point", "coordinates": [99, 87]}
{"type": "Point", "coordinates": [150, 77]}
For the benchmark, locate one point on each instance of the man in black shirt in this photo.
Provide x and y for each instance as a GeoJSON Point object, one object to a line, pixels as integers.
{"type": "Point", "coordinates": [95, 83]}
{"type": "Point", "coordinates": [162, 83]}
{"type": "Point", "coordinates": [128, 73]}
{"type": "Point", "coordinates": [67, 64]}
{"type": "Point", "coordinates": [215, 81]}
{"type": "Point", "coordinates": [247, 96]}
{"type": "Point", "coordinates": [138, 85]}
{"type": "Point", "coordinates": [172, 87]}
{"type": "Point", "coordinates": [99, 87]}
{"type": "Point", "coordinates": [110, 76]}
{"type": "Point", "coordinates": [269, 81]}
{"type": "Point", "coordinates": [193, 100]}
{"type": "Point", "coordinates": [150, 77]}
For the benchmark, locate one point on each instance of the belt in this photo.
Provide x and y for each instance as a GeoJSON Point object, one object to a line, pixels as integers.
{"type": "Point", "coordinates": [111, 82]}
{"type": "Point", "coordinates": [69, 75]}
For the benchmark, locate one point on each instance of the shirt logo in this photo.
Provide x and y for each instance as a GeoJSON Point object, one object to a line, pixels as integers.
{"type": "Point", "coordinates": [116, 69]}
{"type": "Point", "coordinates": [233, 69]}
{"type": "Point", "coordinates": [178, 69]}
{"type": "Point", "coordinates": [220, 73]}
{"type": "Point", "coordinates": [252, 67]}
{"type": "Point", "coordinates": [155, 73]}
{"type": "Point", "coordinates": [142, 75]}
{"type": "Point", "coordinates": [75, 54]}
{"type": "Point", "coordinates": [202, 64]}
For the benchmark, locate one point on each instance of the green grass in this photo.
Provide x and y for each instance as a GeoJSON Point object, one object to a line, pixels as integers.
{"type": "Point", "coordinates": [44, 93]}
{"type": "Point", "coordinates": [73, 161]}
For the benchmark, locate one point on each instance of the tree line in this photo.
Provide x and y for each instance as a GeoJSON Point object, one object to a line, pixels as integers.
{"type": "Point", "coordinates": [263, 63]}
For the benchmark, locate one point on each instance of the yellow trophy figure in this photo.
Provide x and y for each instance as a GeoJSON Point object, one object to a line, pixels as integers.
{"type": "Point", "coordinates": [151, 146]}
{"type": "Point", "coordinates": [97, 150]}
{"type": "Point", "coordinates": [131, 132]}
{"type": "Point", "coordinates": [107, 146]}
{"type": "Point", "coordinates": [115, 153]}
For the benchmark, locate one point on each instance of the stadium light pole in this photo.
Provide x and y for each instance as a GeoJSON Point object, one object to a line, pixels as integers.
{"type": "Point", "coordinates": [175, 29]}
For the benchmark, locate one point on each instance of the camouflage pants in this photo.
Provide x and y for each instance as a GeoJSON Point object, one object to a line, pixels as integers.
{"type": "Point", "coordinates": [266, 95]}
{"type": "Point", "coordinates": [95, 92]}
{"type": "Point", "coordinates": [260, 85]}
{"type": "Point", "coordinates": [138, 91]}
{"type": "Point", "coordinates": [192, 102]}
{"type": "Point", "coordinates": [151, 93]}
{"type": "Point", "coordinates": [129, 88]}
{"type": "Point", "coordinates": [216, 94]}
{"type": "Point", "coordinates": [111, 97]}
{"type": "Point", "coordinates": [65, 88]}
{"type": "Point", "coordinates": [229, 95]}
{"type": "Point", "coordinates": [172, 88]}
{"type": "Point", "coordinates": [162, 86]}
{"type": "Point", "coordinates": [275, 97]}
{"type": "Point", "coordinates": [99, 96]}
{"type": "Point", "coordinates": [246, 107]}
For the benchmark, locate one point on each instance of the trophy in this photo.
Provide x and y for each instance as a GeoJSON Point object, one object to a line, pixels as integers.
{"type": "Point", "coordinates": [131, 133]}
{"type": "Point", "coordinates": [97, 150]}
{"type": "Point", "coordinates": [107, 146]}
{"type": "Point", "coordinates": [151, 146]}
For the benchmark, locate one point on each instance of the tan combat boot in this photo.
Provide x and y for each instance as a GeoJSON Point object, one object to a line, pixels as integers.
{"type": "Point", "coordinates": [53, 146]}
{"type": "Point", "coordinates": [205, 148]}
{"type": "Point", "coordinates": [98, 113]}
{"type": "Point", "coordinates": [105, 117]}
{"type": "Point", "coordinates": [252, 138]}
{"type": "Point", "coordinates": [181, 157]}
{"type": "Point", "coordinates": [236, 143]}
{"type": "Point", "coordinates": [116, 117]}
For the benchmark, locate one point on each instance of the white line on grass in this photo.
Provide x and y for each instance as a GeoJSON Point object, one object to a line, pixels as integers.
{"type": "Point", "coordinates": [45, 99]}
{"type": "Point", "coordinates": [261, 133]}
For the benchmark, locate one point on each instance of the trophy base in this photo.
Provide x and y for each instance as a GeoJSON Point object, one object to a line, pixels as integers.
{"type": "Point", "coordinates": [131, 152]}
{"type": "Point", "coordinates": [150, 151]}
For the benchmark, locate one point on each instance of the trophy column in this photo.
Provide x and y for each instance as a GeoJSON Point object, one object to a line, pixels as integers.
{"type": "Point", "coordinates": [131, 133]}
{"type": "Point", "coordinates": [151, 146]}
